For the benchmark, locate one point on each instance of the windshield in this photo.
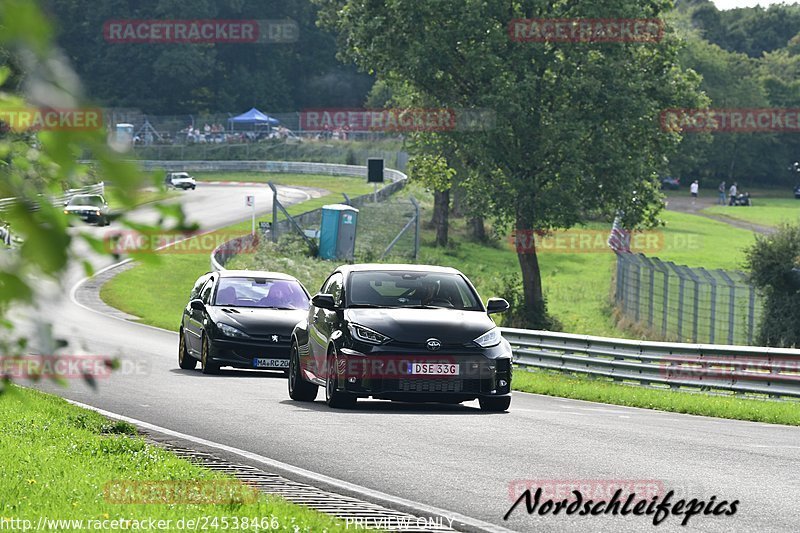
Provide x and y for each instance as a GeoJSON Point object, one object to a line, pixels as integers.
{"type": "Point", "coordinates": [411, 289]}
{"type": "Point", "coordinates": [95, 201]}
{"type": "Point", "coordinates": [260, 292]}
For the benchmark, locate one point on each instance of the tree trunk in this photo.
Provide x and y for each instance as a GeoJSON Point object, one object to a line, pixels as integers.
{"type": "Point", "coordinates": [477, 229]}
{"type": "Point", "coordinates": [457, 210]}
{"type": "Point", "coordinates": [535, 311]}
{"type": "Point", "coordinates": [441, 215]}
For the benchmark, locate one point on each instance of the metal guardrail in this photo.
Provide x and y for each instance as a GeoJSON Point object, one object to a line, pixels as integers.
{"type": "Point", "coordinates": [774, 372]}
{"type": "Point", "coordinates": [97, 188]}
{"type": "Point", "coordinates": [294, 167]}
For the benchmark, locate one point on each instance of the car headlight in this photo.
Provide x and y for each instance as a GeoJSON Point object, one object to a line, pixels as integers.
{"type": "Point", "coordinates": [367, 335]}
{"type": "Point", "coordinates": [230, 331]}
{"type": "Point", "coordinates": [490, 338]}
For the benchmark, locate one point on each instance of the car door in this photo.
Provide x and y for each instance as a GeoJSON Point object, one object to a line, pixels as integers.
{"type": "Point", "coordinates": [322, 322]}
{"type": "Point", "coordinates": [196, 317]}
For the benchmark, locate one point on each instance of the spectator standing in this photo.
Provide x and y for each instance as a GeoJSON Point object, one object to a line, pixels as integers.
{"type": "Point", "coordinates": [732, 194]}
{"type": "Point", "coordinates": [722, 199]}
{"type": "Point", "coordinates": [694, 188]}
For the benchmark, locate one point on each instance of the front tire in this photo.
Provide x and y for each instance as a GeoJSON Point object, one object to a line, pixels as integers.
{"type": "Point", "coordinates": [208, 366]}
{"type": "Point", "coordinates": [185, 361]}
{"type": "Point", "coordinates": [495, 405]}
{"type": "Point", "coordinates": [335, 398]}
{"type": "Point", "coordinates": [299, 389]}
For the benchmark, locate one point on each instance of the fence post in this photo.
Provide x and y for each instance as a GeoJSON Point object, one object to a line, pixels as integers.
{"type": "Point", "coordinates": [751, 307]}
{"type": "Point", "coordinates": [731, 304]}
{"type": "Point", "coordinates": [274, 212]}
{"type": "Point", "coordinates": [620, 281]}
{"type": "Point", "coordinates": [713, 317]}
{"type": "Point", "coordinates": [695, 302]}
{"type": "Point", "coordinates": [665, 299]}
{"type": "Point", "coordinates": [416, 226]}
{"type": "Point", "coordinates": [637, 289]}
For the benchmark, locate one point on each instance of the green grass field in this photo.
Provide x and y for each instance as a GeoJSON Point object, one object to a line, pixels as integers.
{"type": "Point", "coordinates": [66, 463]}
{"type": "Point", "coordinates": [767, 211]}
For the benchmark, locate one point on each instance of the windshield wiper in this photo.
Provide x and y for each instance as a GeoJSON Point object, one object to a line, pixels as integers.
{"type": "Point", "coordinates": [370, 306]}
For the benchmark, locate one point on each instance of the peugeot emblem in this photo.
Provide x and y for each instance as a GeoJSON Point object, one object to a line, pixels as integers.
{"type": "Point", "coordinates": [274, 338]}
{"type": "Point", "coordinates": [433, 344]}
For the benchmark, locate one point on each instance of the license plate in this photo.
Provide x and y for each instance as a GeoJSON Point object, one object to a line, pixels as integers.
{"type": "Point", "coordinates": [433, 369]}
{"type": "Point", "coordinates": [270, 363]}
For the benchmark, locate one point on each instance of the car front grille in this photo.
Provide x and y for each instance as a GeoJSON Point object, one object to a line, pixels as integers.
{"type": "Point", "coordinates": [432, 385]}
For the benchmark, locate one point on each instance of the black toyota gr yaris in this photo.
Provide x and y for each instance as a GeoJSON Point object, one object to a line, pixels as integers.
{"type": "Point", "coordinates": [400, 332]}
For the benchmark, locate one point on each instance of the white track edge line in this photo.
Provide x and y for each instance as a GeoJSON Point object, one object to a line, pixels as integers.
{"type": "Point", "coordinates": [337, 483]}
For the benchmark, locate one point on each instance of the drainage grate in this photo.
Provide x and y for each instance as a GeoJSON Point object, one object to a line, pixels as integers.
{"type": "Point", "coordinates": [362, 514]}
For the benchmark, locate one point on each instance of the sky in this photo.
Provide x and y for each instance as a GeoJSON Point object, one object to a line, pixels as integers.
{"type": "Point", "coordinates": [731, 4]}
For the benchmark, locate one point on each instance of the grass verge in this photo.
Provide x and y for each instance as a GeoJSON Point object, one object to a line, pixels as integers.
{"type": "Point", "coordinates": [764, 211]}
{"type": "Point", "coordinates": [596, 390]}
{"type": "Point", "coordinates": [59, 461]}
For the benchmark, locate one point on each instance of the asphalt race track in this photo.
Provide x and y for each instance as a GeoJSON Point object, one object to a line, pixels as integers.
{"type": "Point", "coordinates": [455, 458]}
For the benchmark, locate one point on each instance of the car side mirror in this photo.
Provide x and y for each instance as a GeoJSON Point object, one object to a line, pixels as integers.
{"type": "Point", "coordinates": [324, 301]}
{"type": "Point", "coordinates": [197, 305]}
{"type": "Point", "coordinates": [496, 305]}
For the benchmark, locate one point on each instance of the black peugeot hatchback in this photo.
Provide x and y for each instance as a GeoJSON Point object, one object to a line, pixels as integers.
{"type": "Point", "coordinates": [413, 333]}
{"type": "Point", "coordinates": [241, 318]}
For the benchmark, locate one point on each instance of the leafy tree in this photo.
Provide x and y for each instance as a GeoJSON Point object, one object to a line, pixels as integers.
{"type": "Point", "coordinates": [774, 265]}
{"type": "Point", "coordinates": [37, 165]}
{"type": "Point", "coordinates": [434, 172]}
{"type": "Point", "coordinates": [577, 123]}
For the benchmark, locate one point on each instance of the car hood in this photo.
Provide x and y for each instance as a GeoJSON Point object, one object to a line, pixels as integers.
{"type": "Point", "coordinates": [258, 321]}
{"type": "Point", "coordinates": [450, 326]}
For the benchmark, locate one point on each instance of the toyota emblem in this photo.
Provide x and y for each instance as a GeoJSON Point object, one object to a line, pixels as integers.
{"type": "Point", "coordinates": [433, 344]}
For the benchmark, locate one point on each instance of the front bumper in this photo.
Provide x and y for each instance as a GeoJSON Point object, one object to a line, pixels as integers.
{"type": "Point", "coordinates": [261, 354]}
{"type": "Point", "coordinates": [390, 376]}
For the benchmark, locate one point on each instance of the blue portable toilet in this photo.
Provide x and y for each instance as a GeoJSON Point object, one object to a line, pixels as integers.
{"type": "Point", "coordinates": [337, 232]}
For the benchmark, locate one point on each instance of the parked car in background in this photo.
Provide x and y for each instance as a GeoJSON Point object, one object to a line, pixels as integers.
{"type": "Point", "coordinates": [414, 333]}
{"type": "Point", "coordinates": [180, 180]}
{"type": "Point", "coordinates": [91, 208]}
{"type": "Point", "coordinates": [241, 318]}
{"type": "Point", "coordinates": [670, 183]}
{"type": "Point", "coordinates": [797, 192]}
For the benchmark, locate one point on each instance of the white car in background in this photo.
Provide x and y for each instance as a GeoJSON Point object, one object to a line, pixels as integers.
{"type": "Point", "coordinates": [180, 180]}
